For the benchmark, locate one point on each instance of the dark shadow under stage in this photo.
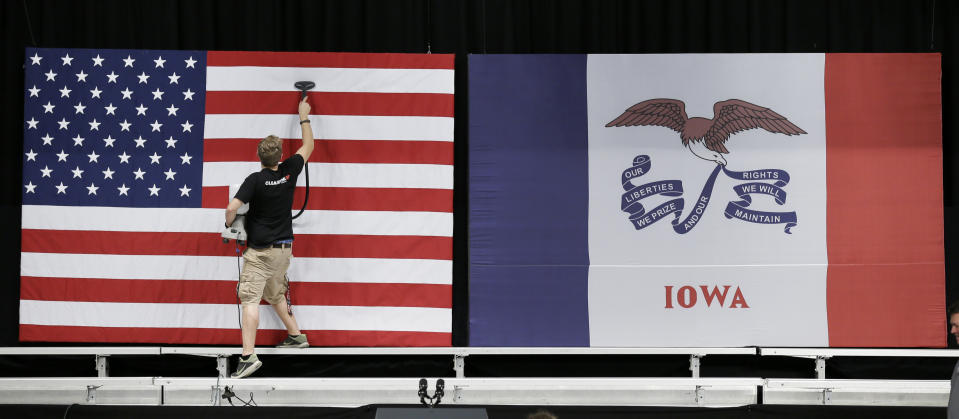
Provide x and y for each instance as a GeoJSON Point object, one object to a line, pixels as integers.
{"type": "Point", "coordinates": [494, 412]}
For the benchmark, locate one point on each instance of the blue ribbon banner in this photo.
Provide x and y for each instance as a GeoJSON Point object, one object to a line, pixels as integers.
{"type": "Point", "coordinates": [630, 201]}
{"type": "Point", "coordinates": [734, 209]}
{"type": "Point", "coordinates": [739, 210]}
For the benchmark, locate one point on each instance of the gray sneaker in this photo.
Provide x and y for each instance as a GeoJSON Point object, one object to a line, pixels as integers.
{"type": "Point", "coordinates": [294, 342]}
{"type": "Point", "coordinates": [245, 368]}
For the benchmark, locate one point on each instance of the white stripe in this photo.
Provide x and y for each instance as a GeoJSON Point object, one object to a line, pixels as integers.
{"type": "Point", "coordinates": [374, 80]}
{"type": "Point", "coordinates": [195, 220]}
{"type": "Point", "coordinates": [389, 223]}
{"type": "Point", "coordinates": [69, 265]}
{"type": "Point", "coordinates": [210, 220]}
{"type": "Point", "coordinates": [224, 316]}
{"type": "Point", "coordinates": [224, 268]}
{"type": "Point", "coordinates": [334, 127]}
{"type": "Point", "coordinates": [347, 175]}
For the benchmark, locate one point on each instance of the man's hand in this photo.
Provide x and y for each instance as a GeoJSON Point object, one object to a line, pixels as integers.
{"type": "Point", "coordinates": [304, 109]}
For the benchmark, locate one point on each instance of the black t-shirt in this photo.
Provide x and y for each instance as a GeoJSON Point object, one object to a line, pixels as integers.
{"type": "Point", "coordinates": [270, 195]}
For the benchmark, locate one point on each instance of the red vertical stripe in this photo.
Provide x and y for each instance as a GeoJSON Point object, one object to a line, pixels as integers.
{"type": "Point", "coordinates": [886, 277]}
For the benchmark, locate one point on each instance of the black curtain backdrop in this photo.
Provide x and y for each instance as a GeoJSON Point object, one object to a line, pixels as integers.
{"type": "Point", "coordinates": [466, 27]}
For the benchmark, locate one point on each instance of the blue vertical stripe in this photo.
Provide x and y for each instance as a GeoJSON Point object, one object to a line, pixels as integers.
{"type": "Point", "coordinates": [528, 200]}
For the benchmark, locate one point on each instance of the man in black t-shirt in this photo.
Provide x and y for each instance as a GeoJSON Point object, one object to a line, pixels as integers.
{"type": "Point", "coordinates": [269, 227]}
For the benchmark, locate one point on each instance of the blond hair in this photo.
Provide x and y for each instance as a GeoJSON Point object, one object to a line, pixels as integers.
{"type": "Point", "coordinates": [270, 150]}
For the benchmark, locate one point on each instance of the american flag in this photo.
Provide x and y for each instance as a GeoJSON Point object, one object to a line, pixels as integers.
{"type": "Point", "coordinates": [128, 158]}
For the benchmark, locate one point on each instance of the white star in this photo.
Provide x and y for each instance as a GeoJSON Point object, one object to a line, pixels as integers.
{"type": "Point", "coordinates": [95, 93]}
{"type": "Point", "coordinates": [159, 61]}
{"type": "Point", "coordinates": [170, 174]}
{"type": "Point", "coordinates": [97, 61]}
{"type": "Point", "coordinates": [48, 108]}
{"type": "Point", "coordinates": [171, 111]}
{"type": "Point", "coordinates": [77, 173]}
{"type": "Point", "coordinates": [64, 124]}
{"type": "Point", "coordinates": [124, 158]}
{"type": "Point", "coordinates": [33, 124]}
{"type": "Point", "coordinates": [125, 126]}
{"type": "Point", "coordinates": [64, 92]}
{"type": "Point", "coordinates": [67, 59]}
{"type": "Point", "coordinates": [156, 125]}
{"type": "Point", "coordinates": [31, 155]}
{"type": "Point", "coordinates": [62, 156]}
{"type": "Point", "coordinates": [155, 158]}
{"type": "Point", "coordinates": [185, 158]}
{"type": "Point", "coordinates": [61, 188]}
{"type": "Point", "coordinates": [94, 125]}
{"type": "Point", "coordinates": [92, 189]}
{"type": "Point", "coordinates": [184, 191]}
{"type": "Point", "coordinates": [108, 174]}
{"type": "Point", "coordinates": [112, 77]}
{"type": "Point", "coordinates": [154, 191]}
{"type": "Point", "coordinates": [51, 76]}
{"type": "Point", "coordinates": [190, 62]}
{"type": "Point", "coordinates": [157, 94]}
{"type": "Point", "coordinates": [46, 171]}
{"type": "Point", "coordinates": [127, 94]}
{"type": "Point", "coordinates": [34, 91]}
{"type": "Point", "coordinates": [79, 108]}
{"type": "Point", "coordinates": [128, 61]}
{"type": "Point", "coordinates": [78, 141]}
{"type": "Point", "coordinates": [35, 59]}
{"type": "Point", "coordinates": [188, 95]}
{"type": "Point", "coordinates": [174, 79]}
{"type": "Point", "coordinates": [186, 126]}
{"type": "Point", "coordinates": [143, 77]}
{"type": "Point", "coordinates": [93, 157]}
{"type": "Point", "coordinates": [47, 139]}
{"type": "Point", "coordinates": [170, 142]}
{"type": "Point", "coordinates": [30, 187]}
{"type": "Point", "coordinates": [123, 189]}
{"type": "Point", "coordinates": [81, 76]}
{"type": "Point", "coordinates": [109, 141]}
{"type": "Point", "coordinates": [141, 110]}
{"type": "Point", "coordinates": [110, 109]}
{"type": "Point", "coordinates": [140, 140]}
{"type": "Point", "coordinates": [138, 174]}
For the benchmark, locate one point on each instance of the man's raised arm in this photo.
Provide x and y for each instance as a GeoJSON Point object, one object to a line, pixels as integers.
{"type": "Point", "coordinates": [307, 148]}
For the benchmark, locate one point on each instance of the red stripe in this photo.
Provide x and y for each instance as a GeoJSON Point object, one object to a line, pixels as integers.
{"type": "Point", "coordinates": [329, 59]}
{"type": "Point", "coordinates": [215, 197]}
{"type": "Point", "coordinates": [337, 151]}
{"type": "Point", "coordinates": [210, 244]}
{"type": "Point", "coordinates": [353, 199]}
{"type": "Point", "coordinates": [224, 292]}
{"type": "Point", "coordinates": [331, 103]}
{"type": "Point", "coordinates": [39, 333]}
{"type": "Point", "coordinates": [886, 277]}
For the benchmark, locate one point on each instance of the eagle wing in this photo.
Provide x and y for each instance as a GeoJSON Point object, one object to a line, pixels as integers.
{"type": "Point", "coordinates": [669, 113]}
{"type": "Point", "coordinates": [732, 116]}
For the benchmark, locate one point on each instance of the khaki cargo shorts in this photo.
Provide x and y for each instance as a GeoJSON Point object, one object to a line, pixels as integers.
{"type": "Point", "coordinates": [264, 275]}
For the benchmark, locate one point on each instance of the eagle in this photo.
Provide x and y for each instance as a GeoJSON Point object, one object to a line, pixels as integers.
{"type": "Point", "coordinates": [706, 138]}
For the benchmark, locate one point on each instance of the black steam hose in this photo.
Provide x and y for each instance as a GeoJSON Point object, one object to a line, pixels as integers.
{"type": "Point", "coordinates": [303, 86]}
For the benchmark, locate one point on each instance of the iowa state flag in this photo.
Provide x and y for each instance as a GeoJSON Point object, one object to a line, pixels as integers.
{"type": "Point", "coordinates": [706, 200]}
